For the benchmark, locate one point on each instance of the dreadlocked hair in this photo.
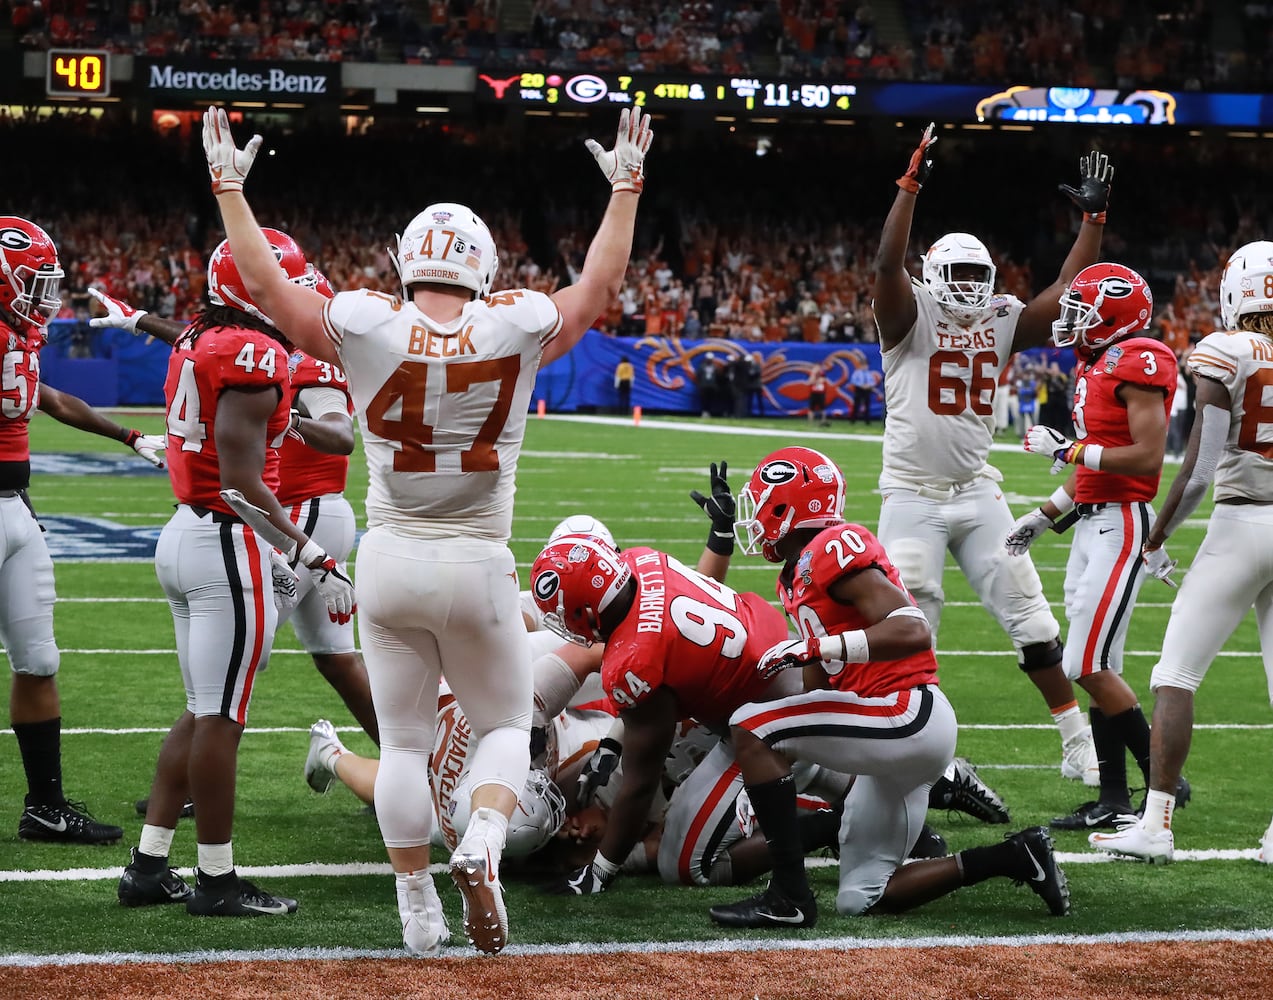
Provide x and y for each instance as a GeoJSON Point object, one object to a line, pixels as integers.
{"type": "Point", "coordinates": [1257, 323]}
{"type": "Point", "coordinates": [218, 316]}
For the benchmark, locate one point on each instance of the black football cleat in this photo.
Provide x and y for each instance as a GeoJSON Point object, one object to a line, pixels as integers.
{"type": "Point", "coordinates": [960, 789]}
{"type": "Point", "coordinates": [1038, 869]}
{"type": "Point", "coordinates": [231, 896]}
{"type": "Point", "coordinates": [69, 823]}
{"type": "Point", "coordinates": [770, 909]}
{"type": "Point", "coordinates": [1092, 816]}
{"type": "Point", "coordinates": [930, 844]}
{"type": "Point", "coordinates": [150, 882]}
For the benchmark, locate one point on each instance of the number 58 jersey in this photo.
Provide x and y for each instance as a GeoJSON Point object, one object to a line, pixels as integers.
{"type": "Point", "coordinates": [442, 405]}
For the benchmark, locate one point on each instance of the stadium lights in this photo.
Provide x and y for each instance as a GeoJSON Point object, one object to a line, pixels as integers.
{"type": "Point", "coordinates": [355, 107]}
{"type": "Point", "coordinates": [839, 121]}
{"type": "Point", "coordinates": [1017, 128]}
{"type": "Point", "coordinates": [430, 109]}
{"type": "Point", "coordinates": [977, 127]}
{"type": "Point", "coordinates": [247, 104]}
{"type": "Point", "coordinates": [726, 119]}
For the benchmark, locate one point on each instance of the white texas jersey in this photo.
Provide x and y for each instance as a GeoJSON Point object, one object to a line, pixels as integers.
{"type": "Point", "coordinates": [939, 387]}
{"type": "Point", "coordinates": [442, 406]}
{"type": "Point", "coordinates": [1242, 362]}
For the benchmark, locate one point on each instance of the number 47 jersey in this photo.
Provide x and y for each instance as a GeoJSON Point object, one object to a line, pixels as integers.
{"type": "Point", "coordinates": [442, 405]}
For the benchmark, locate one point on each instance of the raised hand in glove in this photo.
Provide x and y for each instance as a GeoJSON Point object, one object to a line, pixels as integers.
{"type": "Point", "coordinates": [1092, 194]}
{"type": "Point", "coordinates": [1043, 440]}
{"type": "Point", "coordinates": [1027, 528]}
{"type": "Point", "coordinates": [119, 314]}
{"type": "Point", "coordinates": [148, 446]}
{"type": "Point", "coordinates": [720, 508]}
{"type": "Point", "coordinates": [921, 164]}
{"type": "Point", "coordinates": [227, 164]}
{"type": "Point", "coordinates": [284, 580]}
{"type": "Point", "coordinates": [585, 881]}
{"type": "Point", "coordinates": [624, 166]}
{"type": "Point", "coordinates": [597, 771]}
{"type": "Point", "coordinates": [1159, 565]}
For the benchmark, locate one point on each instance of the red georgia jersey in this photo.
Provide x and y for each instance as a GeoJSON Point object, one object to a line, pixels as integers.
{"type": "Point", "coordinates": [19, 393]}
{"type": "Point", "coordinates": [835, 552]}
{"type": "Point", "coordinates": [1100, 417]}
{"type": "Point", "coordinates": [305, 472]}
{"type": "Point", "coordinates": [225, 357]}
{"type": "Point", "coordinates": [691, 634]}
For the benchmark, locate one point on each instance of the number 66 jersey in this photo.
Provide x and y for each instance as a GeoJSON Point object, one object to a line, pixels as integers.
{"type": "Point", "coordinates": [442, 405]}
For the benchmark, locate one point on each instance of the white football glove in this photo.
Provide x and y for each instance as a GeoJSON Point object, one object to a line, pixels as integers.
{"type": "Point", "coordinates": [1028, 527]}
{"type": "Point", "coordinates": [624, 165]}
{"type": "Point", "coordinates": [284, 579]}
{"type": "Point", "coordinates": [786, 655]}
{"type": "Point", "coordinates": [745, 814]}
{"type": "Point", "coordinates": [227, 164]}
{"type": "Point", "coordinates": [1041, 440]}
{"type": "Point", "coordinates": [119, 315]}
{"type": "Point", "coordinates": [148, 446]}
{"type": "Point", "coordinates": [1159, 565]}
{"type": "Point", "coordinates": [336, 589]}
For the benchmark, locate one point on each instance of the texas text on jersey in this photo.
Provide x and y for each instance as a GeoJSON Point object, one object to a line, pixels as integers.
{"type": "Point", "coordinates": [220, 358]}
{"type": "Point", "coordinates": [306, 472]}
{"type": "Point", "coordinates": [691, 634]}
{"type": "Point", "coordinates": [1100, 417]}
{"type": "Point", "coordinates": [803, 589]}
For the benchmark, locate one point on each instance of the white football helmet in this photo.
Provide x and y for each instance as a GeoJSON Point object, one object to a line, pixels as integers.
{"type": "Point", "coordinates": [965, 299]}
{"type": "Point", "coordinates": [583, 524]}
{"type": "Point", "coordinates": [540, 812]}
{"type": "Point", "coordinates": [1247, 283]}
{"type": "Point", "coordinates": [446, 243]}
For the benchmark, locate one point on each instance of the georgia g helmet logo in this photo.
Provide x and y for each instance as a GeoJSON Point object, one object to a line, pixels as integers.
{"type": "Point", "coordinates": [776, 473]}
{"type": "Point", "coordinates": [546, 584]}
{"type": "Point", "coordinates": [1115, 287]}
{"type": "Point", "coordinates": [14, 239]}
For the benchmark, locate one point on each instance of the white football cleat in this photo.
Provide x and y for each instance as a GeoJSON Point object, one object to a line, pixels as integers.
{"type": "Point", "coordinates": [1134, 841]}
{"type": "Point", "coordinates": [322, 739]}
{"type": "Point", "coordinates": [475, 872]}
{"type": "Point", "coordinates": [1266, 847]}
{"type": "Point", "coordinates": [424, 929]}
{"type": "Point", "coordinates": [1078, 760]}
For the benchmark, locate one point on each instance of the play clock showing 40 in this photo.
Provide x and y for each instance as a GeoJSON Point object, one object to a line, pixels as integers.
{"type": "Point", "coordinates": [78, 73]}
{"type": "Point", "coordinates": [718, 94]}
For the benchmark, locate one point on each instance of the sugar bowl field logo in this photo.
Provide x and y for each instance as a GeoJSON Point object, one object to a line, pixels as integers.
{"type": "Point", "coordinates": [1079, 104]}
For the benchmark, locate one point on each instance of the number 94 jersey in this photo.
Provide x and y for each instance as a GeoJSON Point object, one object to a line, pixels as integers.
{"type": "Point", "coordinates": [939, 385]}
{"type": "Point", "coordinates": [691, 634]}
{"type": "Point", "coordinates": [442, 405]}
{"type": "Point", "coordinates": [803, 589]}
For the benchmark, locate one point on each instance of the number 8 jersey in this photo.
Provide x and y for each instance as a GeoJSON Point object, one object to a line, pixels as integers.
{"type": "Point", "coordinates": [939, 388]}
{"type": "Point", "coordinates": [442, 406]}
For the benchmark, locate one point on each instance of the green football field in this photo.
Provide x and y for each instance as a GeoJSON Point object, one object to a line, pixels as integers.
{"type": "Point", "coordinates": [121, 689]}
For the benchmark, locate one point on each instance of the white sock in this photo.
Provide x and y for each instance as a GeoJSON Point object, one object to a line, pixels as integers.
{"type": "Point", "coordinates": [328, 754]}
{"type": "Point", "coordinates": [1071, 721]}
{"type": "Point", "coordinates": [491, 826]}
{"type": "Point", "coordinates": [1159, 807]}
{"type": "Point", "coordinates": [155, 841]}
{"type": "Point", "coordinates": [216, 859]}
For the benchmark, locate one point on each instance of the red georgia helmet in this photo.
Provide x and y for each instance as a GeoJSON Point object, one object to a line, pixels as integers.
{"type": "Point", "coordinates": [321, 283]}
{"type": "Point", "coordinates": [792, 488]}
{"type": "Point", "coordinates": [1102, 303]}
{"type": "Point", "coordinates": [573, 580]}
{"type": "Point", "coordinates": [225, 284]}
{"type": "Point", "coordinates": [30, 273]}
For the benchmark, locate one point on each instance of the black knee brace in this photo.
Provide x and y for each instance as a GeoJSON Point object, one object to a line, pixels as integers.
{"type": "Point", "coordinates": [1040, 655]}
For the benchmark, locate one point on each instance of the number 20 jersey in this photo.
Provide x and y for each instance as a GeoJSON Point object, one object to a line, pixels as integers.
{"type": "Point", "coordinates": [1242, 362]}
{"type": "Point", "coordinates": [691, 634]}
{"type": "Point", "coordinates": [939, 386]}
{"type": "Point", "coordinates": [442, 406]}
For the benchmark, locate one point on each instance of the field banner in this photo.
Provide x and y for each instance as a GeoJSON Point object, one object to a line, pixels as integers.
{"type": "Point", "coordinates": [666, 372]}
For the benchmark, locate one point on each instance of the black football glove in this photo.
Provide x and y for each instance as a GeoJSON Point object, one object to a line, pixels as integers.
{"type": "Point", "coordinates": [585, 881]}
{"type": "Point", "coordinates": [1092, 194]}
{"type": "Point", "coordinates": [720, 508]}
{"type": "Point", "coordinates": [597, 771]}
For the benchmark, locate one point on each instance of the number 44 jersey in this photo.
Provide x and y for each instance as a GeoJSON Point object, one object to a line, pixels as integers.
{"type": "Point", "coordinates": [442, 406]}
{"type": "Point", "coordinates": [691, 634]}
{"type": "Point", "coordinates": [939, 385]}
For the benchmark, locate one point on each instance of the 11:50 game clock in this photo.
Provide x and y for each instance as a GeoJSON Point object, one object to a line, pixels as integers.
{"type": "Point", "coordinates": [78, 73]}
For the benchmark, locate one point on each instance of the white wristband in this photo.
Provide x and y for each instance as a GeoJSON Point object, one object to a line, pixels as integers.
{"type": "Point", "coordinates": [311, 553]}
{"type": "Point", "coordinates": [845, 647]}
{"type": "Point", "coordinates": [607, 869]}
{"type": "Point", "coordinates": [1062, 501]}
{"type": "Point", "coordinates": [1092, 456]}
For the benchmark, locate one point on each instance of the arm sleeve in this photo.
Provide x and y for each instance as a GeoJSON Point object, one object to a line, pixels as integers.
{"type": "Point", "coordinates": [1214, 434]}
{"type": "Point", "coordinates": [316, 402]}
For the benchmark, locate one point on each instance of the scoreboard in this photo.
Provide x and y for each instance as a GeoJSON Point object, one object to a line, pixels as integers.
{"type": "Point", "coordinates": [737, 95]}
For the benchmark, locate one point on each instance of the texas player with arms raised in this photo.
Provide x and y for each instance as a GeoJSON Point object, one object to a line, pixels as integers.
{"type": "Point", "coordinates": [872, 709]}
{"type": "Point", "coordinates": [1124, 385]}
{"type": "Point", "coordinates": [677, 646]}
{"type": "Point", "coordinates": [944, 341]}
{"type": "Point", "coordinates": [441, 380]}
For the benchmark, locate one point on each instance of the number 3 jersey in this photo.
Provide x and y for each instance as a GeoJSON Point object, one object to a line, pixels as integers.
{"type": "Point", "coordinates": [1242, 361]}
{"type": "Point", "coordinates": [442, 405]}
{"type": "Point", "coordinates": [939, 387]}
{"type": "Point", "coordinates": [804, 589]}
{"type": "Point", "coordinates": [691, 634]}
{"type": "Point", "coordinates": [199, 371]}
